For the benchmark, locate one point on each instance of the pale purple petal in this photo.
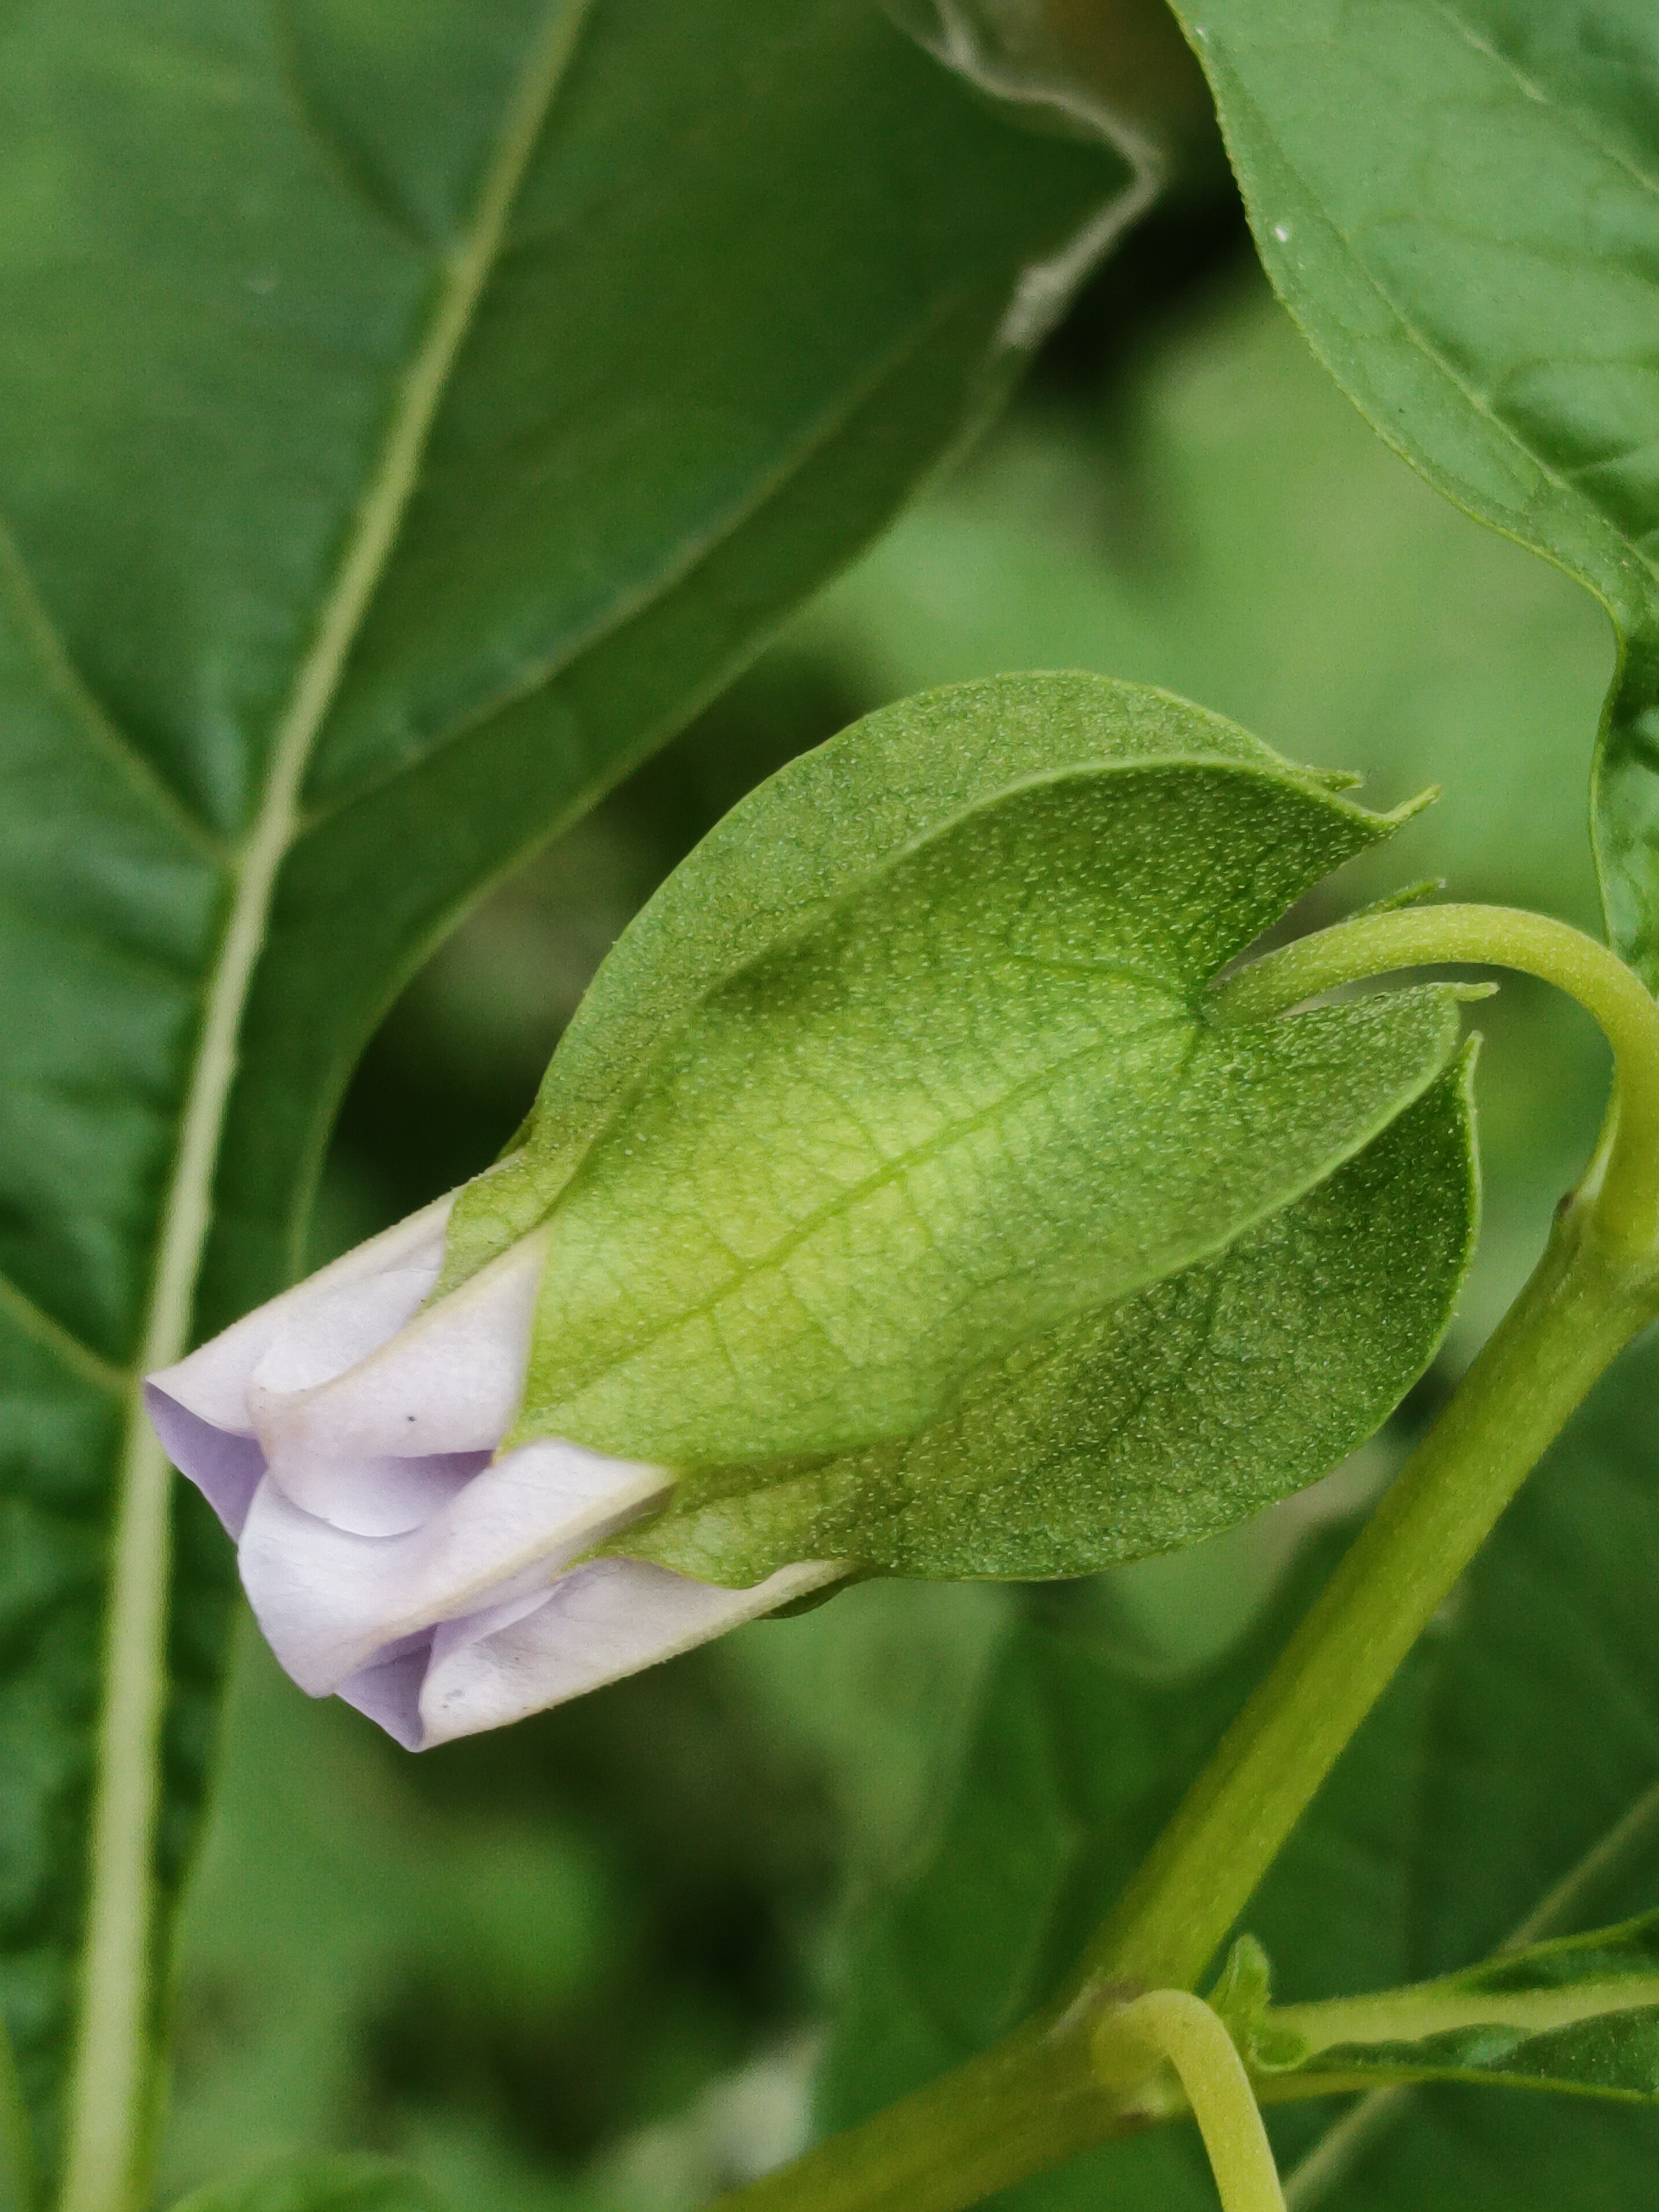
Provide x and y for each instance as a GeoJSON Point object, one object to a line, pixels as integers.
{"type": "Point", "coordinates": [389, 1690]}
{"type": "Point", "coordinates": [344, 1433]}
{"type": "Point", "coordinates": [329, 1600]}
{"type": "Point", "coordinates": [225, 1467]}
{"type": "Point", "coordinates": [600, 1621]}
{"type": "Point", "coordinates": [212, 1383]}
{"type": "Point", "coordinates": [436, 1383]}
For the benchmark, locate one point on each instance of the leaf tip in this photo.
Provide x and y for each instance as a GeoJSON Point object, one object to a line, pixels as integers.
{"type": "Point", "coordinates": [1409, 808]}
{"type": "Point", "coordinates": [1417, 894]}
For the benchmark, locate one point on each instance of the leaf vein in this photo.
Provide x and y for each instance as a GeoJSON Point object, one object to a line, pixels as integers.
{"type": "Point", "coordinates": [64, 1345]}
{"type": "Point", "coordinates": [64, 682]}
{"type": "Point", "coordinates": [539, 672]}
{"type": "Point", "coordinates": [105, 2089]}
{"type": "Point", "coordinates": [1546, 96]}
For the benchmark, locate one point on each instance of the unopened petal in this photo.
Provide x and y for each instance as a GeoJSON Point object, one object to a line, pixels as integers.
{"type": "Point", "coordinates": [602, 1620]}
{"type": "Point", "coordinates": [226, 1467]}
{"type": "Point", "coordinates": [446, 1380]}
{"type": "Point", "coordinates": [331, 1602]}
{"type": "Point", "coordinates": [213, 1383]}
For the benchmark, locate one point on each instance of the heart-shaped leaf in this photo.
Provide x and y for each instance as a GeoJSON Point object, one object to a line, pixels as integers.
{"type": "Point", "coordinates": [1459, 200]}
{"type": "Point", "coordinates": [919, 1135]}
{"type": "Point", "coordinates": [406, 416]}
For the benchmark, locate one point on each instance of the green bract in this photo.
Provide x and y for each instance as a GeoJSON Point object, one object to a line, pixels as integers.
{"type": "Point", "coordinates": [1459, 204]}
{"type": "Point", "coordinates": [901, 1197]}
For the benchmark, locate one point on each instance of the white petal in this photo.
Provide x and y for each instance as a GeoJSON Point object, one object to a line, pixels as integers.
{"type": "Point", "coordinates": [389, 1690]}
{"type": "Point", "coordinates": [379, 1497]}
{"type": "Point", "coordinates": [226, 1468]}
{"type": "Point", "coordinates": [330, 1601]}
{"type": "Point", "coordinates": [602, 1620]}
{"type": "Point", "coordinates": [333, 1332]}
{"type": "Point", "coordinates": [212, 1383]}
{"type": "Point", "coordinates": [447, 1380]}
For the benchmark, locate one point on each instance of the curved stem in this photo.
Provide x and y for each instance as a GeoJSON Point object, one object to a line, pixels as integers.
{"type": "Point", "coordinates": [1578, 1310]}
{"type": "Point", "coordinates": [1183, 2029]}
{"type": "Point", "coordinates": [1626, 1173]}
{"type": "Point", "coordinates": [1597, 1285]}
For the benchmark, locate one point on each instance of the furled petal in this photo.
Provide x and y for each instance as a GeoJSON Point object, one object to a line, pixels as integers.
{"type": "Point", "coordinates": [444, 1381]}
{"type": "Point", "coordinates": [226, 1468]}
{"type": "Point", "coordinates": [201, 1406]}
{"type": "Point", "coordinates": [346, 1435]}
{"type": "Point", "coordinates": [212, 1383]}
{"type": "Point", "coordinates": [331, 1602]}
{"type": "Point", "coordinates": [603, 1619]}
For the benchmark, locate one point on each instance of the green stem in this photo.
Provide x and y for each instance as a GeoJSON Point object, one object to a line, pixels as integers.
{"type": "Point", "coordinates": [1174, 2025]}
{"type": "Point", "coordinates": [1375, 945]}
{"type": "Point", "coordinates": [1576, 1312]}
{"type": "Point", "coordinates": [1595, 1287]}
{"type": "Point", "coordinates": [1031, 2100]}
{"type": "Point", "coordinates": [1028, 2102]}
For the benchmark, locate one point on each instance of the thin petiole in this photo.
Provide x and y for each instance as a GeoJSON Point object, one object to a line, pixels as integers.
{"type": "Point", "coordinates": [1624, 1181]}
{"type": "Point", "coordinates": [1175, 2025]}
{"type": "Point", "coordinates": [1595, 1287]}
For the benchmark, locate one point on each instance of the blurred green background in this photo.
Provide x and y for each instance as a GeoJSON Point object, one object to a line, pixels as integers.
{"type": "Point", "coordinates": [581, 1964]}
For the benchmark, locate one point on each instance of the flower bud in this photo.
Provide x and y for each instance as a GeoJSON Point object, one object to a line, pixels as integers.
{"type": "Point", "coordinates": [346, 1434]}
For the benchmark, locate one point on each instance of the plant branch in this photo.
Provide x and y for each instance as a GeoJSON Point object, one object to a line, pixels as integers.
{"type": "Point", "coordinates": [1027, 2103]}
{"type": "Point", "coordinates": [1030, 2101]}
{"type": "Point", "coordinates": [1175, 2025]}
{"type": "Point", "coordinates": [1595, 1287]}
{"type": "Point", "coordinates": [1626, 1177]}
{"type": "Point", "coordinates": [1577, 1311]}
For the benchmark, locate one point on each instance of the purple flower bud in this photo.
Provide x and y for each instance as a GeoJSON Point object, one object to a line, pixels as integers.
{"type": "Point", "coordinates": [347, 1440]}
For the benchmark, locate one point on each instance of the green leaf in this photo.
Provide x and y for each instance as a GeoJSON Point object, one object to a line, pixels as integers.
{"type": "Point", "coordinates": [1156, 1421]}
{"type": "Point", "coordinates": [958, 1115]}
{"type": "Point", "coordinates": [332, 2184]}
{"type": "Point", "coordinates": [405, 419]}
{"type": "Point", "coordinates": [1460, 203]}
{"type": "Point", "coordinates": [1504, 1789]}
{"type": "Point", "coordinates": [1580, 2015]}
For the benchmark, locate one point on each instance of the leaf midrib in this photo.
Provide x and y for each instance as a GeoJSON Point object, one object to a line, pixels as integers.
{"type": "Point", "coordinates": [1432, 2009]}
{"type": "Point", "coordinates": [107, 2092]}
{"type": "Point", "coordinates": [543, 670]}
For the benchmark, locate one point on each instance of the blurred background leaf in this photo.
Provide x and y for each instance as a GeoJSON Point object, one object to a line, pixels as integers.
{"type": "Point", "coordinates": [335, 2184]}
{"type": "Point", "coordinates": [1181, 497]}
{"type": "Point", "coordinates": [1507, 1786]}
{"type": "Point", "coordinates": [406, 421]}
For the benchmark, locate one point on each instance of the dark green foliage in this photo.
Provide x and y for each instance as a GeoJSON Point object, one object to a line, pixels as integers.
{"type": "Point", "coordinates": [333, 2185]}
{"type": "Point", "coordinates": [400, 432]}
{"type": "Point", "coordinates": [1458, 204]}
{"type": "Point", "coordinates": [1512, 1768]}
